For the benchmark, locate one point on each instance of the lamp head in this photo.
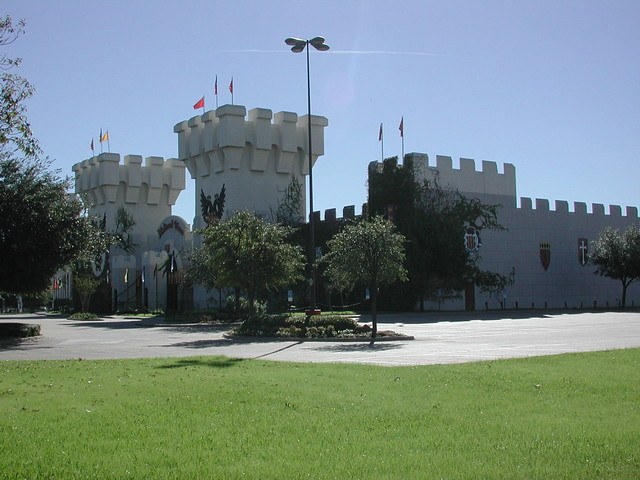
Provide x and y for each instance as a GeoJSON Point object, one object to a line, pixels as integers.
{"type": "Point", "coordinates": [297, 44]}
{"type": "Point", "coordinates": [318, 44]}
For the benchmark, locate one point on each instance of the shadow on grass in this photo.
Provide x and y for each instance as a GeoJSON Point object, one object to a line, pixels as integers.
{"type": "Point", "coordinates": [215, 362]}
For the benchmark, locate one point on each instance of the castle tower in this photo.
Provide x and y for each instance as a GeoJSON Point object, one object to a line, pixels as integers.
{"type": "Point", "coordinates": [254, 157]}
{"type": "Point", "coordinates": [146, 191]}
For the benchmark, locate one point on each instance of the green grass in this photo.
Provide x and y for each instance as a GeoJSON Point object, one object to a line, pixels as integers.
{"type": "Point", "coordinates": [568, 416]}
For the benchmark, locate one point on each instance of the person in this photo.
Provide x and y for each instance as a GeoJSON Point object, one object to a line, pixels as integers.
{"type": "Point", "coordinates": [19, 301]}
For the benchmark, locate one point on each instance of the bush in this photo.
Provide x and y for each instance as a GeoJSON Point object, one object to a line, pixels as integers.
{"type": "Point", "coordinates": [19, 330]}
{"type": "Point", "coordinates": [288, 326]}
{"type": "Point", "coordinates": [84, 316]}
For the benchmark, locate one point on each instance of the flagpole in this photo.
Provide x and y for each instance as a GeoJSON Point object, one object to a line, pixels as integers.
{"type": "Point", "coordinates": [402, 135]}
{"type": "Point", "coordinates": [382, 142]}
{"type": "Point", "coordinates": [100, 140]}
{"type": "Point", "coordinates": [215, 91]}
{"type": "Point", "coordinates": [231, 90]}
{"type": "Point", "coordinates": [108, 142]}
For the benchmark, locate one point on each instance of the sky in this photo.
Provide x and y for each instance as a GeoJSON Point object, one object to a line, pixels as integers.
{"type": "Point", "coordinates": [552, 87]}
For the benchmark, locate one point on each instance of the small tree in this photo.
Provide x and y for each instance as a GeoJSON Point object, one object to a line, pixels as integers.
{"type": "Point", "coordinates": [370, 253]}
{"type": "Point", "coordinates": [250, 254]}
{"type": "Point", "coordinates": [85, 285]}
{"type": "Point", "coordinates": [617, 256]}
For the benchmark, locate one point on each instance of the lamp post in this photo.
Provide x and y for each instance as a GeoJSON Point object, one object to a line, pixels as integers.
{"type": "Point", "coordinates": [297, 46]}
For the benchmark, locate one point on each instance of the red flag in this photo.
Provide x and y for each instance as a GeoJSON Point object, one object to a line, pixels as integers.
{"type": "Point", "coordinates": [215, 87]}
{"type": "Point", "coordinates": [380, 134]}
{"type": "Point", "coordinates": [199, 104]}
{"type": "Point", "coordinates": [401, 127]}
{"type": "Point", "coordinates": [231, 86]}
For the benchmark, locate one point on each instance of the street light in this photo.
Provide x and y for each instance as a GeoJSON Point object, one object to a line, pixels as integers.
{"type": "Point", "coordinates": [297, 46]}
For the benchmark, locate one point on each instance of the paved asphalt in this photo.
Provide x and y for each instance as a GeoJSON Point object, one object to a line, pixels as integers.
{"type": "Point", "coordinates": [452, 337]}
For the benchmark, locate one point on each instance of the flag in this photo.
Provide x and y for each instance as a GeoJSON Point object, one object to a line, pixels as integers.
{"type": "Point", "coordinates": [105, 137]}
{"type": "Point", "coordinates": [231, 86]}
{"type": "Point", "coordinates": [215, 87]}
{"type": "Point", "coordinates": [380, 134]}
{"type": "Point", "coordinates": [199, 104]}
{"type": "Point", "coordinates": [143, 274]}
{"type": "Point", "coordinates": [401, 127]}
{"type": "Point", "coordinates": [92, 144]}
{"type": "Point", "coordinates": [126, 275]}
{"type": "Point", "coordinates": [100, 137]}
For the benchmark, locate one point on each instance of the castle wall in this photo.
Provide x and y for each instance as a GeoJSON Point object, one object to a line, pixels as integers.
{"type": "Point", "coordinates": [254, 156]}
{"type": "Point", "coordinates": [566, 282]}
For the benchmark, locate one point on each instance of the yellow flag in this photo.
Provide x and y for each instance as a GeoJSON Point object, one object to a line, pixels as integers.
{"type": "Point", "coordinates": [105, 137]}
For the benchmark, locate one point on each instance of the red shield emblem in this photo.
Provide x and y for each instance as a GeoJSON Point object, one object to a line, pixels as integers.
{"type": "Point", "coordinates": [583, 251]}
{"type": "Point", "coordinates": [545, 255]}
{"type": "Point", "coordinates": [471, 240]}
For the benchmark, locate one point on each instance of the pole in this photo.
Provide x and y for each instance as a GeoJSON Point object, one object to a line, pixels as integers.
{"type": "Point", "coordinates": [312, 241]}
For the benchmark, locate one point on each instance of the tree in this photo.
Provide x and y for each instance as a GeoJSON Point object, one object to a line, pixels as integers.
{"type": "Point", "coordinates": [250, 254]}
{"type": "Point", "coordinates": [433, 218]}
{"type": "Point", "coordinates": [85, 284]}
{"type": "Point", "coordinates": [15, 131]}
{"type": "Point", "coordinates": [42, 228]}
{"type": "Point", "coordinates": [370, 253]}
{"type": "Point", "coordinates": [617, 256]}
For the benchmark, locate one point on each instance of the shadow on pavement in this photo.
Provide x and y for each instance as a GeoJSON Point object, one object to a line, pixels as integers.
{"type": "Point", "coordinates": [218, 342]}
{"type": "Point", "coordinates": [359, 347]}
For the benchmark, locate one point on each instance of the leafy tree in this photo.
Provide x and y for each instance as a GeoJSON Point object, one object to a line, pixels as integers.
{"type": "Point", "coordinates": [41, 227]}
{"type": "Point", "coordinates": [369, 253]}
{"type": "Point", "coordinates": [617, 256]}
{"type": "Point", "coordinates": [433, 219]}
{"type": "Point", "coordinates": [85, 285]}
{"type": "Point", "coordinates": [121, 236]}
{"type": "Point", "coordinates": [250, 254]}
{"type": "Point", "coordinates": [15, 131]}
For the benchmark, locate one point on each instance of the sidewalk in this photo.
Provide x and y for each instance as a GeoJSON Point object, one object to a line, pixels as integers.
{"type": "Point", "coordinates": [440, 337]}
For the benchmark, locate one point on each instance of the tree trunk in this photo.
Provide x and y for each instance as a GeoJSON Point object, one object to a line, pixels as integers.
{"type": "Point", "coordinates": [624, 293]}
{"type": "Point", "coordinates": [374, 313]}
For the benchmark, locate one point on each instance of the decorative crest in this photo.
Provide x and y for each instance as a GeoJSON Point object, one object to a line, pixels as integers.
{"type": "Point", "coordinates": [212, 211]}
{"type": "Point", "coordinates": [545, 255]}
{"type": "Point", "coordinates": [583, 251]}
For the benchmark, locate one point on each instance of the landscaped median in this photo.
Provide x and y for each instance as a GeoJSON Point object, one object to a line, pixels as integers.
{"type": "Point", "coordinates": [314, 327]}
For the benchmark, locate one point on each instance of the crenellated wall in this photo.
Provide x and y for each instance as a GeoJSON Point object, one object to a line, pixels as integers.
{"type": "Point", "coordinates": [530, 227]}
{"type": "Point", "coordinates": [147, 191]}
{"type": "Point", "coordinates": [487, 182]}
{"type": "Point", "coordinates": [254, 155]}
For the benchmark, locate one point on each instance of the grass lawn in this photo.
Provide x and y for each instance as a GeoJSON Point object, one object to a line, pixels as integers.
{"type": "Point", "coordinates": [568, 416]}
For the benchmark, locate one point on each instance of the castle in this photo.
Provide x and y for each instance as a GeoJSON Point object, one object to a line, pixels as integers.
{"type": "Point", "coordinates": [247, 159]}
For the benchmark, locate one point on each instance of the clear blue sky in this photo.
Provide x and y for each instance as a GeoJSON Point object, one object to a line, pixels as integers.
{"type": "Point", "coordinates": [550, 86]}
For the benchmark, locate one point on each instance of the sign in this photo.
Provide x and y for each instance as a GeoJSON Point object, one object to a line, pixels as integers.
{"type": "Point", "coordinates": [172, 223]}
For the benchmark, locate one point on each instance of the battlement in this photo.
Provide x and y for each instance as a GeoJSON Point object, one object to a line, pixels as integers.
{"type": "Point", "coordinates": [579, 208]}
{"type": "Point", "coordinates": [105, 180]}
{"type": "Point", "coordinates": [227, 139]}
{"type": "Point", "coordinates": [487, 181]}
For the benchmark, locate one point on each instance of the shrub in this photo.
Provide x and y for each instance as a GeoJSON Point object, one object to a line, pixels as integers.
{"type": "Point", "coordinates": [289, 326]}
{"type": "Point", "coordinates": [84, 316]}
{"type": "Point", "coordinates": [19, 330]}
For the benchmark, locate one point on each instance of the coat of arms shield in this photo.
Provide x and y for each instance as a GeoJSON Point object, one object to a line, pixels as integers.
{"type": "Point", "coordinates": [545, 255]}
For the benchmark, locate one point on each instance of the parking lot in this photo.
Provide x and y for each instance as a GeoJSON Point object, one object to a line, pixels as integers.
{"type": "Point", "coordinates": [451, 337]}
